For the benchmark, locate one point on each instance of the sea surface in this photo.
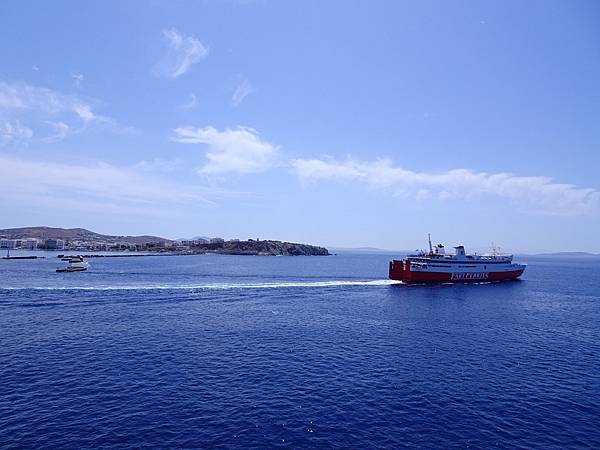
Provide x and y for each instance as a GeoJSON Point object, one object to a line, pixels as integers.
{"type": "Point", "coordinates": [301, 352]}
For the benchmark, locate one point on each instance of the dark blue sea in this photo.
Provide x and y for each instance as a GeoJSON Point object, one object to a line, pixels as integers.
{"type": "Point", "coordinates": [299, 352]}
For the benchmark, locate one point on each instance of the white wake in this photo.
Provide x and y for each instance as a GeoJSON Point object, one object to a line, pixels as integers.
{"type": "Point", "coordinates": [208, 286]}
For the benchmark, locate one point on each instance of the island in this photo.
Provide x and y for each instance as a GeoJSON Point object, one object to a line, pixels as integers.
{"type": "Point", "coordinates": [82, 240]}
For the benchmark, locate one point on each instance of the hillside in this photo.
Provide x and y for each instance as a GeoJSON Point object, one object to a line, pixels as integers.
{"type": "Point", "coordinates": [267, 248]}
{"type": "Point", "coordinates": [92, 239]}
{"type": "Point", "coordinates": [570, 254]}
{"type": "Point", "coordinates": [74, 234]}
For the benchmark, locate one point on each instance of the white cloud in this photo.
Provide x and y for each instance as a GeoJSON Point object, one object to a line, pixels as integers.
{"type": "Point", "coordinates": [191, 102]}
{"type": "Point", "coordinates": [13, 133]}
{"type": "Point", "coordinates": [18, 96]}
{"type": "Point", "coordinates": [539, 194]}
{"type": "Point", "coordinates": [61, 131]}
{"type": "Point", "coordinates": [93, 186]}
{"type": "Point", "coordinates": [39, 107]}
{"type": "Point", "coordinates": [77, 79]}
{"type": "Point", "coordinates": [84, 112]}
{"type": "Point", "coordinates": [240, 150]}
{"type": "Point", "coordinates": [242, 90]}
{"type": "Point", "coordinates": [182, 53]}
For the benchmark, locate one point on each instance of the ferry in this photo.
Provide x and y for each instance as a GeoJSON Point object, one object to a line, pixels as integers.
{"type": "Point", "coordinates": [438, 267]}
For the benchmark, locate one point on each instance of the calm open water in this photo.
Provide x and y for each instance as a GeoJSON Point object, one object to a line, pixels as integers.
{"type": "Point", "coordinates": [255, 352]}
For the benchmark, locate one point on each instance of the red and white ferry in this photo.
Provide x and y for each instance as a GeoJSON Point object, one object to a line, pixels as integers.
{"type": "Point", "coordinates": [438, 267]}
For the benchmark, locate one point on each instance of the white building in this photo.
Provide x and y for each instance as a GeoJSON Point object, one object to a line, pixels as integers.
{"type": "Point", "coordinates": [8, 243]}
{"type": "Point", "coordinates": [29, 244]}
{"type": "Point", "coordinates": [216, 240]}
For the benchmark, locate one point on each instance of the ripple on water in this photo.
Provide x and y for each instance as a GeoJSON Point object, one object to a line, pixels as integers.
{"type": "Point", "coordinates": [305, 363]}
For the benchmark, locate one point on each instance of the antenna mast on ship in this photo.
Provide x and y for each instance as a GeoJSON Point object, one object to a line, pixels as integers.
{"type": "Point", "coordinates": [430, 247]}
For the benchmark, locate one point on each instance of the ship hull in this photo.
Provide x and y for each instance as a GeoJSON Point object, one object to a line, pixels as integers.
{"type": "Point", "coordinates": [446, 277]}
{"type": "Point", "coordinates": [69, 269]}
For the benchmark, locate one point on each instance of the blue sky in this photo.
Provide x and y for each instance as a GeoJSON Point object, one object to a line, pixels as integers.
{"type": "Point", "coordinates": [341, 123]}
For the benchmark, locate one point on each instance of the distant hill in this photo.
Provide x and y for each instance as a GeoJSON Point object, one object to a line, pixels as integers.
{"type": "Point", "coordinates": [367, 250]}
{"type": "Point", "coordinates": [571, 254]}
{"type": "Point", "coordinates": [74, 234]}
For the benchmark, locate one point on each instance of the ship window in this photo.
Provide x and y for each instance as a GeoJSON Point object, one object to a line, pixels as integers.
{"type": "Point", "coordinates": [484, 267]}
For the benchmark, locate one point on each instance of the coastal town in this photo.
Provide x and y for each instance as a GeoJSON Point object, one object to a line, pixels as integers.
{"type": "Point", "coordinates": [104, 246]}
{"type": "Point", "coordinates": [82, 240]}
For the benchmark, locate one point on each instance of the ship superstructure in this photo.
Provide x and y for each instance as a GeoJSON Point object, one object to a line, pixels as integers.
{"type": "Point", "coordinates": [436, 266]}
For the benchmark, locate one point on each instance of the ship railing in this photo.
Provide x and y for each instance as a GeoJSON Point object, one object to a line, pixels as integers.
{"type": "Point", "coordinates": [505, 257]}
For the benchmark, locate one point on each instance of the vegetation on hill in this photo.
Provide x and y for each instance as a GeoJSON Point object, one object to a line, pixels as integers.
{"type": "Point", "coordinates": [251, 247]}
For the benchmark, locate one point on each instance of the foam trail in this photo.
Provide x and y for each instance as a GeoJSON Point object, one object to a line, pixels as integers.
{"type": "Point", "coordinates": [213, 286]}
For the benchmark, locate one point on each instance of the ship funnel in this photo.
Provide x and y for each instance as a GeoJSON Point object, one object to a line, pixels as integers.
{"type": "Point", "coordinates": [460, 252]}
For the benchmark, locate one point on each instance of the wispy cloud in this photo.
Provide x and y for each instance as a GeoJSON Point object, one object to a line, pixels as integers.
{"type": "Point", "coordinates": [243, 88]}
{"type": "Point", "coordinates": [239, 150]}
{"type": "Point", "coordinates": [23, 96]}
{"type": "Point", "coordinates": [13, 133]}
{"type": "Point", "coordinates": [191, 102]}
{"type": "Point", "coordinates": [540, 194]}
{"type": "Point", "coordinates": [77, 79]}
{"type": "Point", "coordinates": [182, 53]}
{"type": "Point", "coordinates": [60, 131]}
{"type": "Point", "coordinates": [40, 107]}
{"type": "Point", "coordinates": [97, 185]}
{"type": "Point", "coordinates": [160, 165]}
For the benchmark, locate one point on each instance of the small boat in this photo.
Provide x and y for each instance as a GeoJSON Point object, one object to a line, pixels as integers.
{"type": "Point", "coordinates": [76, 264]}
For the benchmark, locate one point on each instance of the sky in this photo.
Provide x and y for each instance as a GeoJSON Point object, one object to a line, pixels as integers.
{"type": "Point", "coordinates": [337, 123]}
